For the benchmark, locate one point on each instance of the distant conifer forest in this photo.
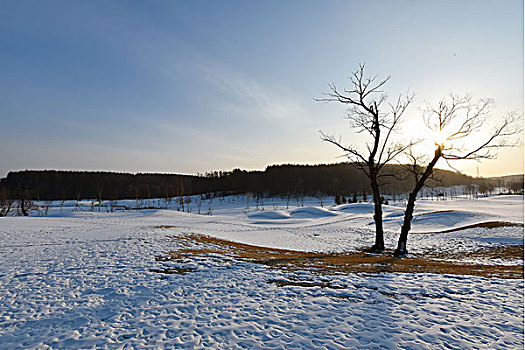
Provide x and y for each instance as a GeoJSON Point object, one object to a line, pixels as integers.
{"type": "Point", "coordinates": [341, 179]}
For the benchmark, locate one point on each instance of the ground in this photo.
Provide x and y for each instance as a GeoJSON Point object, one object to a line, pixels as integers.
{"type": "Point", "coordinates": [247, 278]}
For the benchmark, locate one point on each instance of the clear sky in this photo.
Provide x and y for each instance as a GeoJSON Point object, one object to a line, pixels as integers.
{"type": "Point", "coordinates": [193, 86]}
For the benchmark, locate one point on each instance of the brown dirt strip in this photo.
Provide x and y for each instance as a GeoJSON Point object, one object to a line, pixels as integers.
{"type": "Point", "coordinates": [487, 224]}
{"type": "Point", "coordinates": [510, 252]}
{"type": "Point", "coordinates": [358, 262]}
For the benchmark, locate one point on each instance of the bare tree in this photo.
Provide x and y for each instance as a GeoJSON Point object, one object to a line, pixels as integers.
{"type": "Point", "coordinates": [79, 193]}
{"type": "Point", "coordinates": [180, 193]}
{"type": "Point", "coordinates": [6, 202]}
{"type": "Point", "coordinates": [47, 205]}
{"type": "Point", "coordinates": [63, 200]}
{"type": "Point", "coordinates": [249, 196]}
{"type": "Point", "coordinates": [24, 202]}
{"type": "Point", "coordinates": [138, 204]}
{"type": "Point", "coordinates": [199, 204]}
{"type": "Point", "coordinates": [37, 203]}
{"type": "Point", "coordinates": [78, 198]}
{"type": "Point", "coordinates": [187, 201]}
{"type": "Point", "coordinates": [148, 192]}
{"type": "Point", "coordinates": [166, 185]}
{"type": "Point", "coordinates": [371, 114]}
{"type": "Point", "coordinates": [99, 189]}
{"type": "Point", "coordinates": [455, 122]}
{"type": "Point", "coordinates": [209, 212]}
{"type": "Point", "coordinates": [516, 187]}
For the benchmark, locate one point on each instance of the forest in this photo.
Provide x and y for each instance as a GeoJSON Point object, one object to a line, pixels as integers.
{"type": "Point", "coordinates": [342, 179]}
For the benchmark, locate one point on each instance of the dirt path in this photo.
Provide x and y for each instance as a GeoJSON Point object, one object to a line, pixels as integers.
{"type": "Point", "coordinates": [502, 259]}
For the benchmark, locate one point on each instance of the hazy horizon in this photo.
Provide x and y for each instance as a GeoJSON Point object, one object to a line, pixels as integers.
{"type": "Point", "coordinates": [190, 87]}
{"type": "Point", "coordinates": [213, 170]}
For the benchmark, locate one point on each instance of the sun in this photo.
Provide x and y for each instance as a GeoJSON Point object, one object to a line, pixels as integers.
{"type": "Point", "coordinates": [439, 136]}
{"type": "Point", "coordinates": [427, 136]}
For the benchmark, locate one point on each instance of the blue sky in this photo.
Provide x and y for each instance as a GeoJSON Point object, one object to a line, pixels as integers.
{"type": "Point", "coordinates": [193, 86]}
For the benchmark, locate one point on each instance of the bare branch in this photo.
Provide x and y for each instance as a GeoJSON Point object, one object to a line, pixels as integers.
{"type": "Point", "coordinates": [397, 111]}
{"type": "Point", "coordinates": [498, 138]}
{"type": "Point", "coordinates": [350, 151]}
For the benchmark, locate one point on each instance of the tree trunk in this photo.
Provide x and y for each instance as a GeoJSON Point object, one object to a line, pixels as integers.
{"type": "Point", "coordinates": [24, 206]}
{"type": "Point", "coordinates": [407, 220]}
{"type": "Point", "coordinates": [402, 243]}
{"type": "Point", "coordinates": [379, 245]}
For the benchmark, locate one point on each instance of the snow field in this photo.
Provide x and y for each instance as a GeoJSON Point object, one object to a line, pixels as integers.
{"type": "Point", "coordinates": [88, 281]}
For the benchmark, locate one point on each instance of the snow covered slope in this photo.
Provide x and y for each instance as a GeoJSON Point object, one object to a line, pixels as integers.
{"type": "Point", "coordinates": [92, 280]}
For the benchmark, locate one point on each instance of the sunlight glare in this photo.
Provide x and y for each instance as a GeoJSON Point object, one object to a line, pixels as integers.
{"type": "Point", "coordinates": [439, 136]}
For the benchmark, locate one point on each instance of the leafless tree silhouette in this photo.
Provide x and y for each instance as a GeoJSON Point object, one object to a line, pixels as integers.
{"type": "Point", "coordinates": [6, 202]}
{"type": "Point", "coordinates": [455, 122]}
{"type": "Point", "coordinates": [371, 114]}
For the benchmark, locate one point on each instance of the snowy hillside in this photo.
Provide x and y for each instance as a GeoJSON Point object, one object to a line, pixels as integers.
{"type": "Point", "coordinates": [80, 278]}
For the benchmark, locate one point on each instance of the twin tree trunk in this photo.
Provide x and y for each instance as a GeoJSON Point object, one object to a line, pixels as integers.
{"type": "Point", "coordinates": [402, 243]}
{"type": "Point", "coordinates": [379, 244]}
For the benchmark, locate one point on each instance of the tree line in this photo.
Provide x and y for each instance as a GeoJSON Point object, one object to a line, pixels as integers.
{"type": "Point", "coordinates": [342, 179]}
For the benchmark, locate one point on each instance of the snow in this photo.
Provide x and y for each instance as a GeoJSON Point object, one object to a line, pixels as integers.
{"type": "Point", "coordinates": [82, 279]}
{"type": "Point", "coordinates": [311, 212]}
